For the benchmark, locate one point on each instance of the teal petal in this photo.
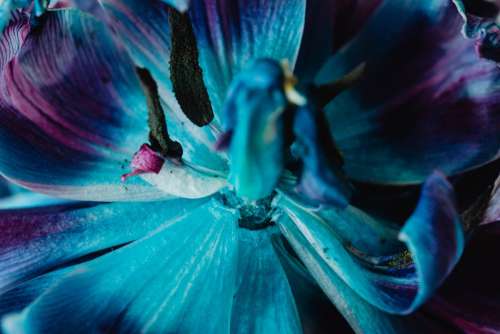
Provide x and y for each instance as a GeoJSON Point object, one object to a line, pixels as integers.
{"type": "Point", "coordinates": [23, 294]}
{"type": "Point", "coordinates": [395, 283]}
{"type": "Point", "coordinates": [177, 279]}
{"type": "Point", "coordinates": [255, 114]}
{"type": "Point", "coordinates": [140, 36]}
{"type": "Point", "coordinates": [263, 302]}
{"type": "Point", "coordinates": [233, 34]}
{"type": "Point", "coordinates": [361, 315]}
{"type": "Point", "coordinates": [35, 241]}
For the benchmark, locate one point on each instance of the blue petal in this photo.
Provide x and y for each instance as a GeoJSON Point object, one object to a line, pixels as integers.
{"type": "Point", "coordinates": [425, 102]}
{"type": "Point", "coordinates": [263, 301]}
{"type": "Point", "coordinates": [72, 111]}
{"type": "Point", "coordinates": [23, 294]}
{"type": "Point", "coordinates": [34, 241]}
{"type": "Point", "coordinates": [255, 114]}
{"type": "Point", "coordinates": [181, 5]}
{"type": "Point", "coordinates": [322, 180]}
{"type": "Point", "coordinates": [143, 29]}
{"type": "Point", "coordinates": [394, 283]}
{"type": "Point", "coordinates": [329, 24]}
{"type": "Point", "coordinates": [233, 34]}
{"type": "Point", "coordinates": [177, 279]}
{"type": "Point", "coordinates": [361, 315]}
{"type": "Point", "coordinates": [317, 313]}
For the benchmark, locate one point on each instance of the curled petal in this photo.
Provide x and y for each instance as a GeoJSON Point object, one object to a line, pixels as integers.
{"type": "Point", "coordinates": [399, 282]}
{"type": "Point", "coordinates": [362, 316]}
{"type": "Point", "coordinates": [322, 180]}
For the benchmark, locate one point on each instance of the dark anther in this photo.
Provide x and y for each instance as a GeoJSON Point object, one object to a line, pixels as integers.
{"type": "Point", "coordinates": [158, 133]}
{"type": "Point", "coordinates": [327, 92]}
{"type": "Point", "coordinates": [185, 71]}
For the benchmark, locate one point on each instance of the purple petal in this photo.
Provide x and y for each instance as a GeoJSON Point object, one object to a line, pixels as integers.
{"type": "Point", "coordinates": [425, 101]}
{"type": "Point", "coordinates": [72, 111]}
{"type": "Point", "coordinates": [470, 300]}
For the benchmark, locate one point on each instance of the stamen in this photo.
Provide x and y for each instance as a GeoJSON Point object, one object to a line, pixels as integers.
{"type": "Point", "coordinates": [158, 132]}
{"type": "Point", "coordinates": [185, 71]}
{"type": "Point", "coordinates": [145, 161]}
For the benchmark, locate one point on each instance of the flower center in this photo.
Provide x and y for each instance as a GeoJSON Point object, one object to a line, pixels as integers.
{"type": "Point", "coordinates": [254, 215]}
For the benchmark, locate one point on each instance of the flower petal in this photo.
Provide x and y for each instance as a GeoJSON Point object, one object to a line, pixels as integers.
{"type": "Point", "coordinates": [23, 294]}
{"type": "Point", "coordinates": [470, 299]}
{"type": "Point", "coordinates": [149, 43]}
{"type": "Point", "coordinates": [255, 115]}
{"type": "Point", "coordinates": [72, 111]}
{"type": "Point", "coordinates": [184, 181]}
{"type": "Point", "coordinates": [177, 279]}
{"type": "Point", "coordinates": [233, 34]}
{"type": "Point", "coordinates": [394, 283]}
{"type": "Point", "coordinates": [317, 313]}
{"type": "Point", "coordinates": [329, 24]}
{"type": "Point", "coordinates": [34, 241]}
{"type": "Point", "coordinates": [493, 212]}
{"type": "Point", "coordinates": [437, 106]}
{"type": "Point", "coordinates": [263, 301]}
{"type": "Point", "coordinates": [361, 315]}
{"type": "Point", "coordinates": [482, 24]}
{"type": "Point", "coordinates": [181, 5]}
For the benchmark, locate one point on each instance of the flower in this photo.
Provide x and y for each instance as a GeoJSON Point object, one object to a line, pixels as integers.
{"type": "Point", "coordinates": [246, 187]}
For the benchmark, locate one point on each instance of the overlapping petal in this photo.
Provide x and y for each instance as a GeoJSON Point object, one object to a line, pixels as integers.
{"type": "Point", "coordinates": [35, 241]}
{"type": "Point", "coordinates": [393, 281]}
{"type": "Point", "coordinates": [149, 43]}
{"type": "Point", "coordinates": [425, 101]}
{"type": "Point", "coordinates": [263, 300]}
{"type": "Point", "coordinates": [231, 35]}
{"type": "Point", "coordinates": [72, 111]}
{"type": "Point", "coordinates": [361, 315]}
{"type": "Point", "coordinates": [177, 279]}
{"type": "Point", "coordinates": [329, 24]}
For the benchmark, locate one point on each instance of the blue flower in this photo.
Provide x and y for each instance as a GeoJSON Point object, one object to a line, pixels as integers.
{"type": "Point", "coordinates": [234, 162]}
